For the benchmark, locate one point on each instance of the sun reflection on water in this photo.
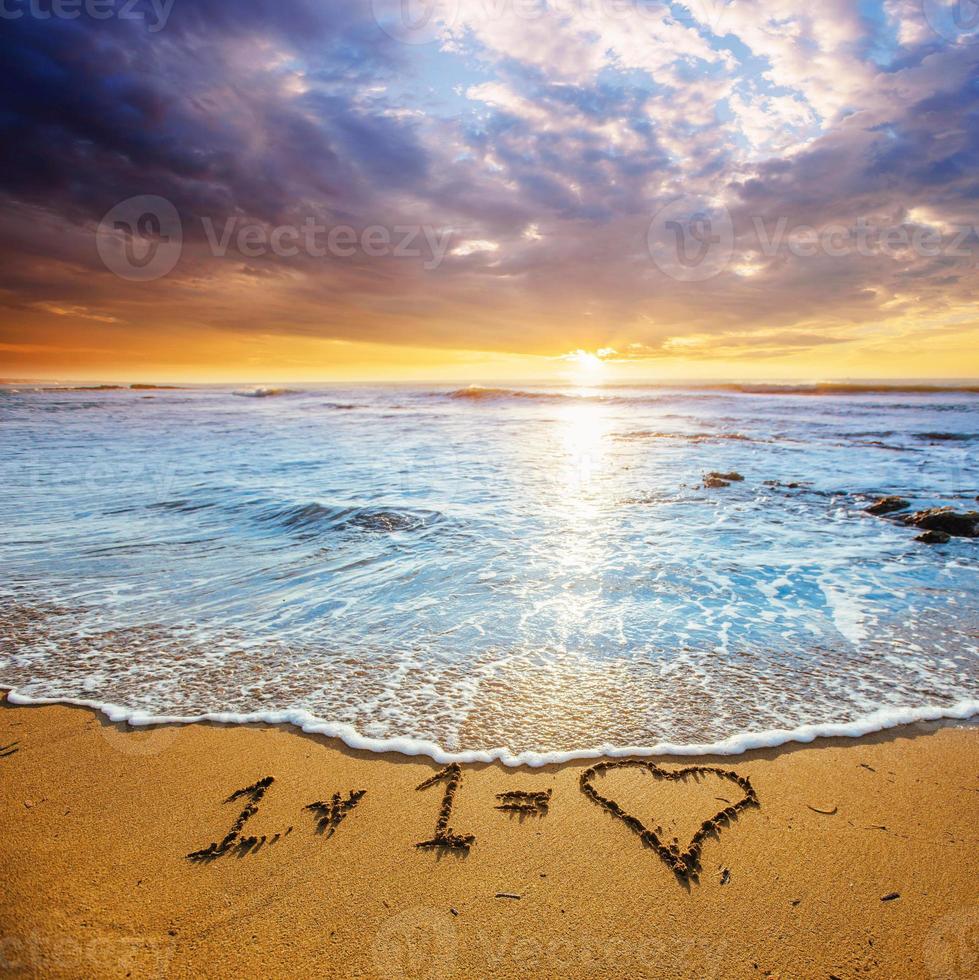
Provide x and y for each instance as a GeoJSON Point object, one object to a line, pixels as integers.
{"type": "Point", "coordinates": [579, 549]}
{"type": "Point", "coordinates": [584, 430]}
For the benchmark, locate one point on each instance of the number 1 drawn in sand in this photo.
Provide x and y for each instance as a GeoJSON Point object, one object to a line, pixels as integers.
{"type": "Point", "coordinates": [444, 836]}
{"type": "Point", "coordinates": [233, 839]}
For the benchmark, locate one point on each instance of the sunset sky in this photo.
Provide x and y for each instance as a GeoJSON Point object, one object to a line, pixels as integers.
{"type": "Point", "coordinates": [533, 161]}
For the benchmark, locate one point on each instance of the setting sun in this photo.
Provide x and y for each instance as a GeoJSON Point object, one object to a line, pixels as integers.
{"type": "Point", "coordinates": [585, 363]}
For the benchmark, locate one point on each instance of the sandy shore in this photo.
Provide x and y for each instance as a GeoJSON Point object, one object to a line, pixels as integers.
{"type": "Point", "coordinates": [98, 819]}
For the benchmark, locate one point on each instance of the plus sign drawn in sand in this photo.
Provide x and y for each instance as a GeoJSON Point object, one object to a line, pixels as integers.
{"type": "Point", "coordinates": [330, 814]}
{"type": "Point", "coordinates": [683, 863]}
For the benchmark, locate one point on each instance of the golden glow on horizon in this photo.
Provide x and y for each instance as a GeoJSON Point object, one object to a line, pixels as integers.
{"type": "Point", "coordinates": [94, 351]}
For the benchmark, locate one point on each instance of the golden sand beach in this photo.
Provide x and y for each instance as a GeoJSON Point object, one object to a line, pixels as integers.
{"type": "Point", "coordinates": [859, 861]}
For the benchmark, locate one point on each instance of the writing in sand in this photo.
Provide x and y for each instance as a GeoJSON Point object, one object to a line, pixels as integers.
{"type": "Point", "coordinates": [329, 814]}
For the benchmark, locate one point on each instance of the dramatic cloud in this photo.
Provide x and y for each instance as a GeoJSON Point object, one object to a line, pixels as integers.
{"type": "Point", "coordinates": [495, 186]}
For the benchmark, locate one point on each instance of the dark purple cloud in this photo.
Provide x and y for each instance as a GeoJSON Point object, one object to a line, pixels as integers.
{"type": "Point", "coordinates": [541, 150]}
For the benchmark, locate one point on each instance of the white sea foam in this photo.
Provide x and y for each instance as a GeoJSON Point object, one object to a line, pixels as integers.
{"type": "Point", "coordinates": [877, 721]}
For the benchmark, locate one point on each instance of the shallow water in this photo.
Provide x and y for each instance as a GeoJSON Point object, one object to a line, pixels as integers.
{"type": "Point", "coordinates": [535, 570]}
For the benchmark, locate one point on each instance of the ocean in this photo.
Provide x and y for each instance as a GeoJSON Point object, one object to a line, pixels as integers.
{"type": "Point", "coordinates": [530, 574]}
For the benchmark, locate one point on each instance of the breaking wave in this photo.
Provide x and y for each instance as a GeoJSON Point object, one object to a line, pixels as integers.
{"type": "Point", "coordinates": [265, 392]}
{"type": "Point", "coordinates": [659, 393]}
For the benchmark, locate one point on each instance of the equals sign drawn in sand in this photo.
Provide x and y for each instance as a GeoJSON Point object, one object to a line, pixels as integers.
{"type": "Point", "coordinates": [517, 801]}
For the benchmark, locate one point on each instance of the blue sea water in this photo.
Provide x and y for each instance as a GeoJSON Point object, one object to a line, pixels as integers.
{"type": "Point", "coordinates": [528, 573]}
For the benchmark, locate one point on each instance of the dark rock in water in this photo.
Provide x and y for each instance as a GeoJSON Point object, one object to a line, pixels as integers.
{"type": "Point", "coordinates": [945, 436]}
{"type": "Point", "coordinates": [965, 525]}
{"type": "Point", "coordinates": [934, 537]}
{"type": "Point", "coordinates": [778, 483]}
{"type": "Point", "coordinates": [714, 479]}
{"type": "Point", "coordinates": [887, 505]}
{"type": "Point", "coordinates": [731, 477]}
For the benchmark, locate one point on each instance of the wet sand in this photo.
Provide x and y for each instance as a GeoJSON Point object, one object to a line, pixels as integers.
{"type": "Point", "coordinates": [859, 861]}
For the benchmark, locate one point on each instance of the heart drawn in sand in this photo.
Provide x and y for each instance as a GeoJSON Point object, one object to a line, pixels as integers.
{"type": "Point", "coordinates": [683, 863]}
